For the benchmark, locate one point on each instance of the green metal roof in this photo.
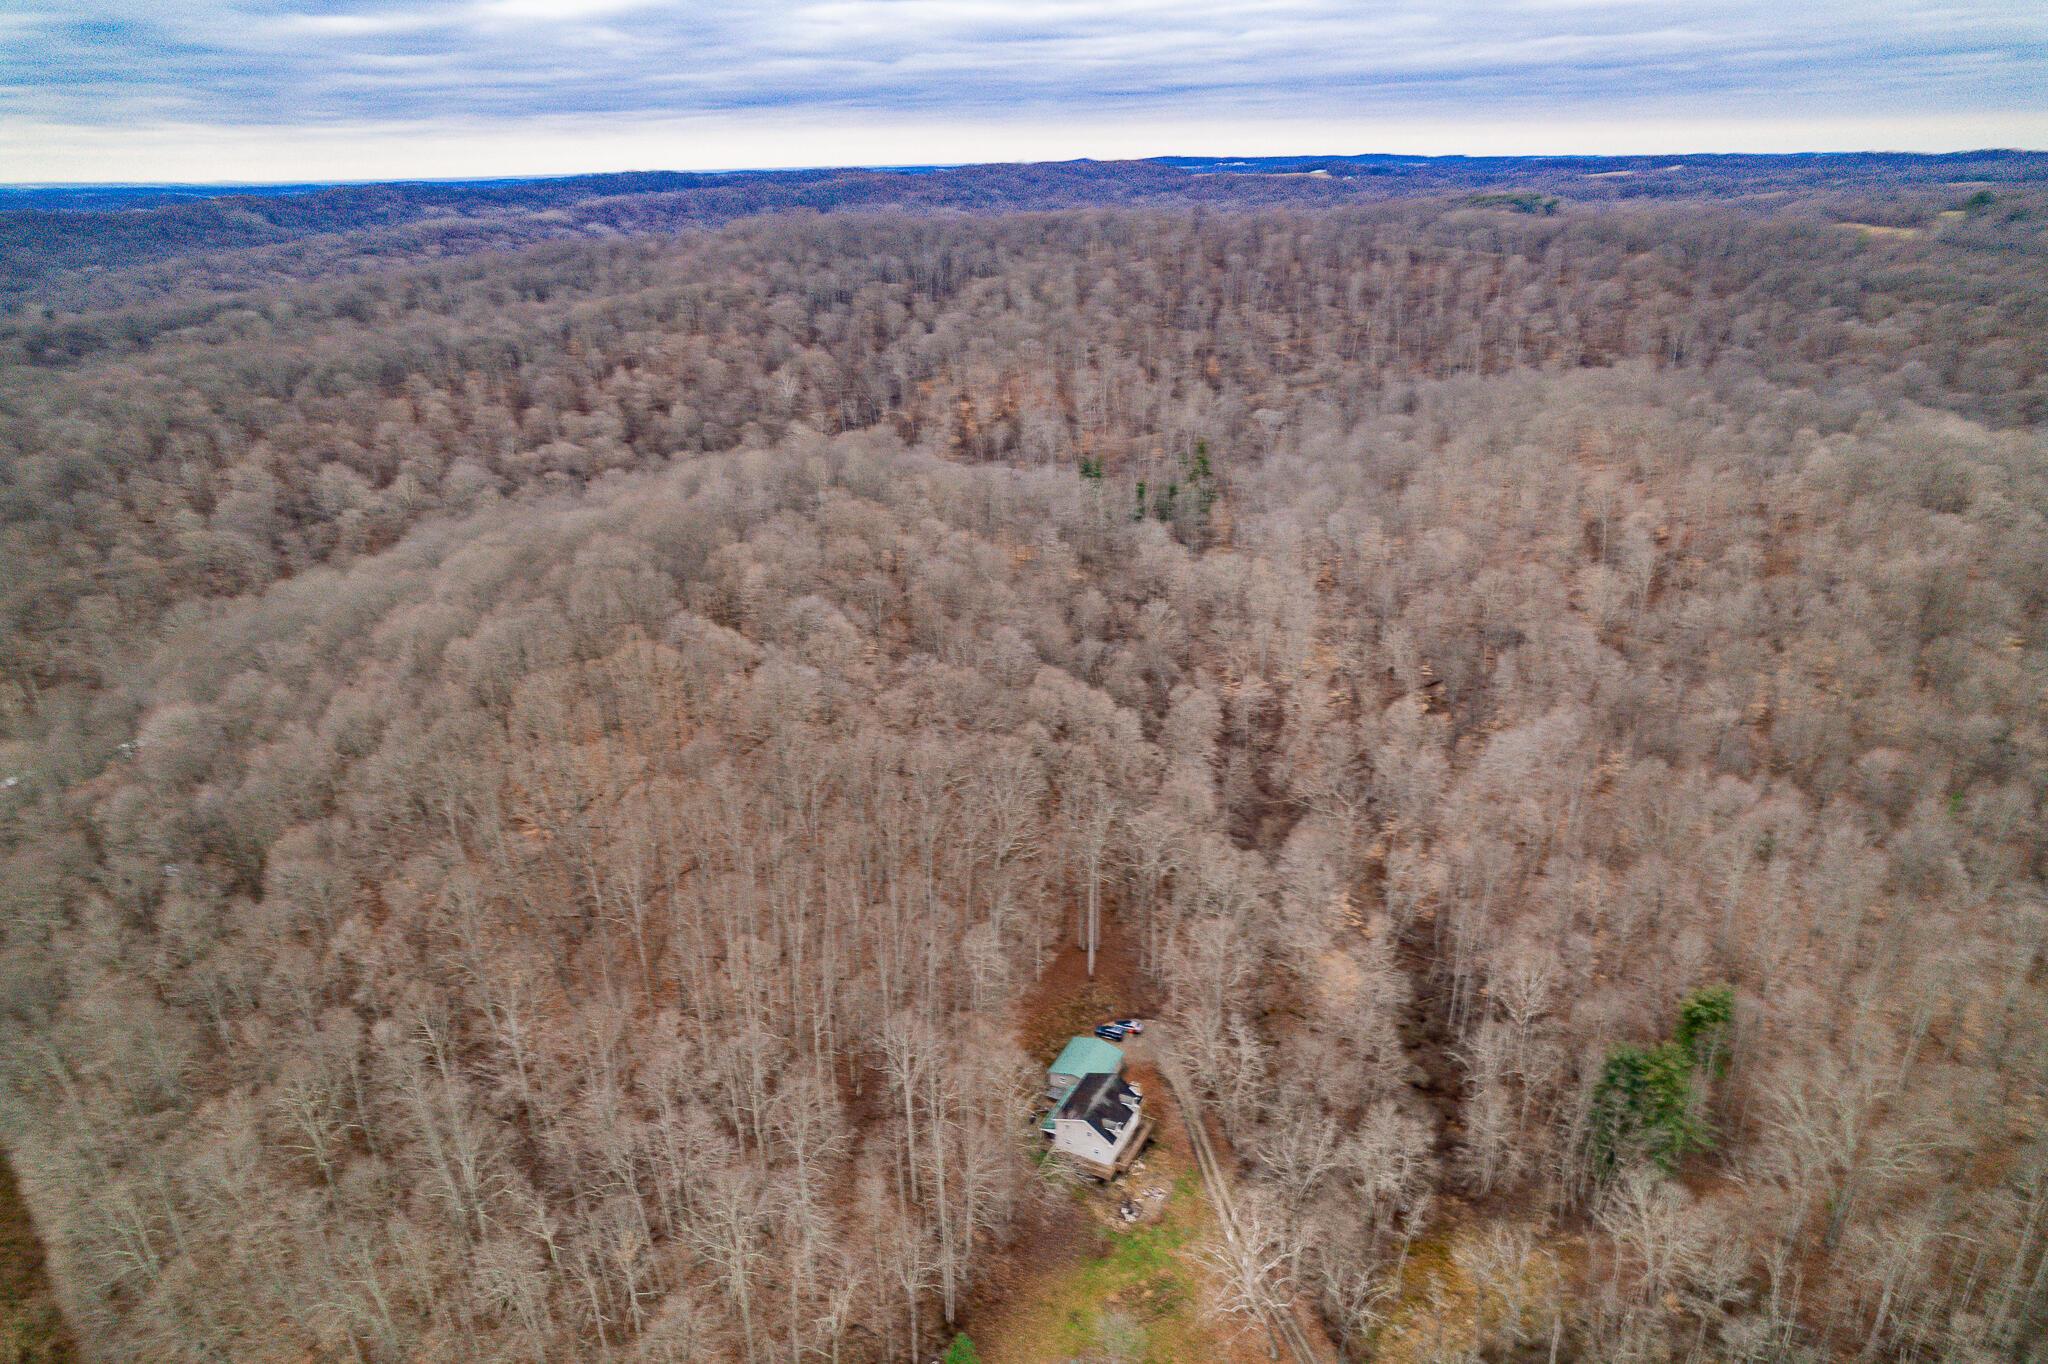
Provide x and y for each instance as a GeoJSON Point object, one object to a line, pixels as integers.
{"type": "Point", "coordinates": [1087, 1056]}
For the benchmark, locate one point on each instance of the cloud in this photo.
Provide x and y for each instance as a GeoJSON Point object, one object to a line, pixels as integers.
{"type": "Point", "coordinates": [554, 11]}
{"type": "Point", "coordinates": [338, 64]}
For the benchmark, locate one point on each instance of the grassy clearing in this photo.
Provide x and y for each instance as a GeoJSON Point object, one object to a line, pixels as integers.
{"type": "Point", "coordinates": [1441, 1306]}
{"type": "Point", "coordinates": [1137, 1299]}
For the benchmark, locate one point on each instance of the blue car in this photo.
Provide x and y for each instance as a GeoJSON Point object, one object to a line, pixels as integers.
{"type": "Point", "coordinates": [1113, 1032]}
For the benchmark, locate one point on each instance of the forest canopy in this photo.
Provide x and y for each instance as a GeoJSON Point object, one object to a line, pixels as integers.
{"type": "Point", "coordinates": [537, 776]}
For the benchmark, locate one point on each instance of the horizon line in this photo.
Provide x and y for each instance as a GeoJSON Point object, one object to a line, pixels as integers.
{"type": "Point", "coordinates": [907, 167]}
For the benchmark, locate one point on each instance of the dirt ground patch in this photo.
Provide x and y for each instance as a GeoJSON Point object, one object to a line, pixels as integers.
{"type": "Point", "coordinates": [1064, 1002]}
{"type": "Point", "coordinates": [31, 1331]}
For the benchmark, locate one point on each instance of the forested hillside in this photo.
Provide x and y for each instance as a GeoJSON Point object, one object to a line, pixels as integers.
{"type": "Point", "coordinates": [535, 782]}
{"type": "Point", "coordinates": [65, 248]}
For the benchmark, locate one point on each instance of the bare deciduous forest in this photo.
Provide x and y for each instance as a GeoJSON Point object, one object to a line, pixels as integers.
{"type": "Point", "coordinates": [537, 779]}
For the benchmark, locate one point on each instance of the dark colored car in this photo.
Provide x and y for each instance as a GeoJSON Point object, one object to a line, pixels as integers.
{"type": "Point", "coordinates": [1114, 1032]}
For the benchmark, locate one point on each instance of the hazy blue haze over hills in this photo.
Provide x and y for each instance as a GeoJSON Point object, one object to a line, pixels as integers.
{"type": "Point", "coordinates": [1993, 164]}
{"type": "Point", "coordinates": [48, 233]}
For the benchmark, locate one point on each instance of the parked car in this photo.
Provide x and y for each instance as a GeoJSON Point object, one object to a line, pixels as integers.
{"type": "Point", "coordinates": [1129, 1024]}
{"type": "Point", "coordinates": [1113, 1032]}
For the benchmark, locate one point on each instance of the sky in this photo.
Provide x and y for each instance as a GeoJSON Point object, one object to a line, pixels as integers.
{"type": "Point", "coordinates": [296, 90]}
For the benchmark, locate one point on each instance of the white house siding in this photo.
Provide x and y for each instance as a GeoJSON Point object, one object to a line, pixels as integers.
{"type": "Point", "coordinates": [1077, 1138]}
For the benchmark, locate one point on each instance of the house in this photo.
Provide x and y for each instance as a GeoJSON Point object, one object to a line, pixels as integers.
{"type": "Point", "coordinates": [1101, 1125]}
{"type": "Point", "coordinates": [1080, 1058]}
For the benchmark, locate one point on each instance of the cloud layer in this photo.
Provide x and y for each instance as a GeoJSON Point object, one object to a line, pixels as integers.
{"type": "Point", "coordinates": [111, 65]}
